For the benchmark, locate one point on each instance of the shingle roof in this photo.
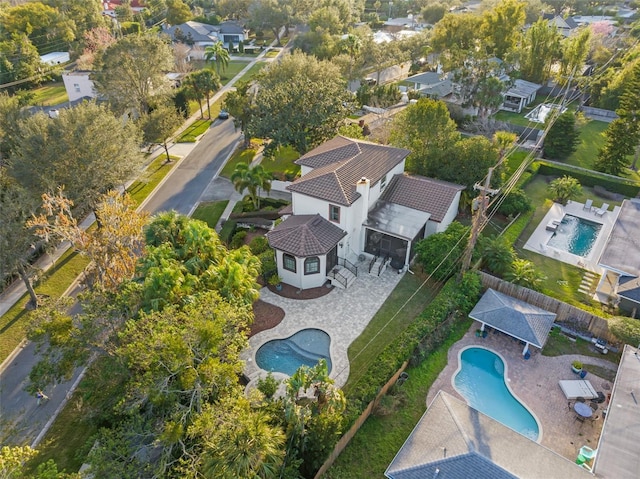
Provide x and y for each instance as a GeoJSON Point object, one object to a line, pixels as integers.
{"type": "Point", "coordinates": [514, 317]}
{"type": "Point", "coordinates": [305, 235]}
{"type": "Point", "coordinates": [462, 443]}
{"type": "Point", "coordinates": [340, 163]}
{"type": "Point", "coordinates": [422, 194]}
{"type": "Point", "coordinates": [622, 251]}
{"type": "Point", "coordinates": [629, 288]}
{"type": "Point", "coordinates": [523, 89]}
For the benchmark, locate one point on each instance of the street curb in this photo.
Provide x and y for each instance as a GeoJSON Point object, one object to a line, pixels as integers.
{"type": "Point", "coordinates": [162, 182]}
{"type": "Point", "coordinates": [13, 354]}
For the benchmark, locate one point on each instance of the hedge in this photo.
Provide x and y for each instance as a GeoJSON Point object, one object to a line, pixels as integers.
{"type": "Point", "coordinates": [513, 232]}
{"type": "Point", "coordinates": [454, 298]}
{"type": "Point", "coordinates": [623, 186]}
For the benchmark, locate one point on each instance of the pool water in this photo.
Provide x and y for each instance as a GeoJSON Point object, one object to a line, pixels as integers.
{"type": "Point", "coordinates": [481, 382]}
{"type": "Point", "coordinates": [306, 347]}
{"type": "Point", "coordinates": [575, 235]}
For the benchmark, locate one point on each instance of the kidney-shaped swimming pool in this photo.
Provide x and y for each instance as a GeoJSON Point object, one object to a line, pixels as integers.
{"type": "Point", "coordinates": [480, 380]}
{"type": "Point", "coordinates": [306, 347]}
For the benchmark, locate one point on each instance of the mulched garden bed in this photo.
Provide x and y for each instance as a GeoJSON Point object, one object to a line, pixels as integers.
{"type": "Point", "coordinates": [292, 292]}
{"type": "Point", "coordinates": [266, 316]}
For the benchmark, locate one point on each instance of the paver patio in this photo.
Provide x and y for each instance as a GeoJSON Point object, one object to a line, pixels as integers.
{"type": "Point", "coordinates": [535, 383]}
{"type": "Point", "coordinates": [343, 314]}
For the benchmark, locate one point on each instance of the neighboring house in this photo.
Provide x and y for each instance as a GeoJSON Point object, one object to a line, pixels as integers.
{"type": "Point", "coordinates": [353, 200]}
{"type": "Point", "coordinates": [565, 26]}
{"type": "Point", "coordinates": [520, 95]}
{"type": "Point", "coordinates": [454, 441]}
{"type": "Point", "coordinates": [432, 84]}
{"type": "Point", "coordinates": [109, 8]}
{"type": "Point", "coordinates": [78, 85]}
{"type": "Point", "coordinates": [201, 35]}
{"type": "Point", "coordinates": [620, 258]}
{"type": "Point", "coordinates": [55, 58]}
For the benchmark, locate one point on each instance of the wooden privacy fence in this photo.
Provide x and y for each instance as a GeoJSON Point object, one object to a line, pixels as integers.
{"type": "Point", "coordinates": [578, 318]}
{"type": "Point", "coordinates": [344, 440]}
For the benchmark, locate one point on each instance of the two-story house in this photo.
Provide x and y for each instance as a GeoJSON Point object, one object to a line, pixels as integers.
{"type": "Point", "coordinates": [353, 200]}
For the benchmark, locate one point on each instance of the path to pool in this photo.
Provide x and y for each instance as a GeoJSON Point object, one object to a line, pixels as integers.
{"type": "Point", "coordinates": [535, 383]}
{"type": "Point", "coordinates": [343, 314]}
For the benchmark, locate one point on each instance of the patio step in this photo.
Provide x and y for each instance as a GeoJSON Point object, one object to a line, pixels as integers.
{"type": "Point", "coordinates": [587, 284]}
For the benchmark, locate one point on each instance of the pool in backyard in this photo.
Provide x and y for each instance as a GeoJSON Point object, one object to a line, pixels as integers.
{"type": "Point", "coordinates": [481, 381]}
{"type": "Point", "coordinates": [575, 235]}
{"type": "Point", "coordinates": [306, 347]}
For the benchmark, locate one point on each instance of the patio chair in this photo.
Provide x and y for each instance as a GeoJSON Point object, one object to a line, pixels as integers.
{"type": "Point", "coordinates": [602, 210]}
{"type": "Point", "coordinates": [588, 205]}
{"type": "Point", "coordinates": [580, 399]}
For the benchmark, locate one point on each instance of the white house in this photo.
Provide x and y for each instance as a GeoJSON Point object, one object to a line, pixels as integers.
{"type": "Point", "coordinates": [200, 35]}
{"type": "Point", "coordinates": [353, 200]}
{"type": "Point", "coordinates": [519, 95]}
{"type": "Point", "coordinates": [55, 58]}
{"type": "Point", "coordinates": [78, 85]}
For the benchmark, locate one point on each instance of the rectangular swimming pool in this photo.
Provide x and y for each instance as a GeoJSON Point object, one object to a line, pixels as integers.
{"type": "Point", "coordinates": [575, 235]}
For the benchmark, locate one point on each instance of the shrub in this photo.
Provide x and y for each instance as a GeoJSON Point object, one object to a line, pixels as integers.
{"type": "Point", "coordinates": [514, 203]}
{"type": "Point", "coordinates": [513, 232]}
{"type": "Point", "coordinates": [238, 239]}
{"type": "Point", "coordinates": [577, 364]}
{"type": "Point", "coordinates": [438, 254]}
{"type": "Point", "coordinates": [268, 385]}
{"type": "Point", "coordinates": [625, 329]}
{"type": "Point", "coordinates": [591, 178]}
{"type": "Point", "coordinates": [258, 245]}
{"type": "Point", "coordinates": [227, 231]}
{"type": "Point", "coordinates": [268, 261]}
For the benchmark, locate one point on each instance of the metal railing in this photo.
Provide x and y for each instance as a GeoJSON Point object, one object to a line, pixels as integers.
{"type": "Point", "coordinates": [372, 262]}
{"type": "Point", "coordinates": [349, 265]}
{"type": "Point", "coordinates": [338, 277]}
{"type": "Point", "coordinates": [383, 263]}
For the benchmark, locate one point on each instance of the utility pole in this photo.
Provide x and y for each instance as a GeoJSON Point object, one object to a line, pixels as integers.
{"type": "Point", "coordinates": [478, 218]}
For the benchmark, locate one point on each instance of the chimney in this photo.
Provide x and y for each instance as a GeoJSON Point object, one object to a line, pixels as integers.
{"type": "Point", "coordinates": [362, 186]}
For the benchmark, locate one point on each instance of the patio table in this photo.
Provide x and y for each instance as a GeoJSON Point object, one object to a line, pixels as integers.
{"type": "Point", "coordinates": [583, 409]}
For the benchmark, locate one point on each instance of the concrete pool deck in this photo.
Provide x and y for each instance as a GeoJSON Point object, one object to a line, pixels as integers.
{"type": "Point", "coordinates": [535, 383]}
{"type": "Point", "coordinates": [343, 314]}
{"type": "Point", "coordinates": [537, 242]}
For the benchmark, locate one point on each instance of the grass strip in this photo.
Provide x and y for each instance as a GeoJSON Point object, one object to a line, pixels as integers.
{"type": "Point", "coordinates": [366, 348]}
{"type": "Point", "coordinates": [50, 95]}
{"type": "Point", "coordinates": [210, 212]}
{"type": "Point", "coordinates": [378, 440]}
{"type": "Point", "coordinates": [155, 172]}
{"type": "Point", "coordinates": [193, 131]}
{"type": "Point", "coordinates": [239, 156]}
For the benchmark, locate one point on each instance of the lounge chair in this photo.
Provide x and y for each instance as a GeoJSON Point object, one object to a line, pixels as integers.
{"type": "Point", "coordinates": [588, 205]}
{"type": "Point", "coordinates": [602, 210]}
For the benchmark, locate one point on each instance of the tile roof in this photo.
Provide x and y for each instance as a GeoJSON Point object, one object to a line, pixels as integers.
{"type": "Point", "coordinates": [340, 163]}
{"type": "Point", "coordinates": [514, 317]}
{"type": "Point", "coordinates": [305, 235]}
{"type": "Point", "coordinates": [454, 441]}
{"type": "Point", "coordinates": [622, 251]}
{"type": "Point", "coordinates": [422, 194]}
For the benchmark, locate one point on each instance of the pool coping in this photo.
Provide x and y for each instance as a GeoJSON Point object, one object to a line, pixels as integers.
{"type": "Point", "coordinates": [506, 380]}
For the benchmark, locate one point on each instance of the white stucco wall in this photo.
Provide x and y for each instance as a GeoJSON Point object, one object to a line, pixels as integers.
{"type": "Point", "coordinates": [299, 279]}
{"type": "Point", "coordinates": [78, 85]}
{"type": "Point", "coordinates": [452, 212]}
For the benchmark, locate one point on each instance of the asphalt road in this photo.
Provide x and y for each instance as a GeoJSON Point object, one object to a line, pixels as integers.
{"type": "Point", "coordinates": [184, 186]}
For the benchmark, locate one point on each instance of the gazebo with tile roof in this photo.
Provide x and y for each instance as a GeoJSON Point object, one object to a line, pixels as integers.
{"type": "Point", "coordinates": [514, 317]}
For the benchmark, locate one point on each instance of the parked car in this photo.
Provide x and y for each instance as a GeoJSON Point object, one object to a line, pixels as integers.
{"type": "Point", "coordinates": [223, 115]}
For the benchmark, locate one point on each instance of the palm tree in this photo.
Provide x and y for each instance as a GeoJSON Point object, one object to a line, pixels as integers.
{"type": "Point", "coordinates": [245, 177]}
{"type": "Point", "coordinates": [218, 54]}
{"type": "Point", "coordinates": [192, 91]}
{"type": "Point", "coordinates": [524, 273]}
{"type": "Point", "coordinates": [565, 189]}
{"type": "Point", "coordinates": [206, 82]}
{"type": "Point", "coordinates": [497, 254]}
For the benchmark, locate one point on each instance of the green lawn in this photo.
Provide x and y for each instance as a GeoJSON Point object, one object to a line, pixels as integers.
{"type": "Point", "coordinates": [233, 68]}
{"type": "Point", "coordinates": [272, 53]}
{"type": "Point", "coordinates": [239, 156]}
{"type": "Point", "coordinates": [591, 140]}
{"type": "Point", "coordinates": [378, 440]}
{"type": "Point", "coordinates": [559, 345]}
{"type": "Point", "coordinates": [253, 71]}
{"type": "Point", "coordinates": [193, 131]}
{"type": "Point", "coordinates": [155, 172]}
{"type": "Point", "coordinates": [50, 95]}
{"type": "Point", "coordinates": [283, 162]}
{"type": "Point", "coordinates": [378, 334]}
{"type": "Point", "coordinates": [210, 212]}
